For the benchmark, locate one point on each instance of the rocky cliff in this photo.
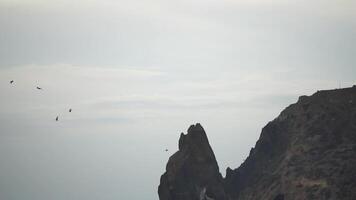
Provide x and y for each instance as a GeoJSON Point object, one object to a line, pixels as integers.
{"type": "Point", "coordinates": [307, 152]}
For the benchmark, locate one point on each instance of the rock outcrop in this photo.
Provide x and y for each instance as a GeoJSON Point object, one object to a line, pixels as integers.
{"type": "Point", "coordinates": [192, 172]}
{"type": "Point", "coordinates": [307, 152]}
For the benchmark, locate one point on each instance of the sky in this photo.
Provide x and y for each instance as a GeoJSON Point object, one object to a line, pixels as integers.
{"type": "Point", "coordinates": [138, 73]}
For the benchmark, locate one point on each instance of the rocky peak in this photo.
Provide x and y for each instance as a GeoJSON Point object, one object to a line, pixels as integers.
{"type": "Point", "coordinates": [196, 144]}
{"type": "Point", "coordinates": [192, 172]}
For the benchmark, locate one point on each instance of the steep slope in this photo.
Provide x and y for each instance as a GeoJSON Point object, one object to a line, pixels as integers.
{"type": "Point", "coordinates": [307, 152]}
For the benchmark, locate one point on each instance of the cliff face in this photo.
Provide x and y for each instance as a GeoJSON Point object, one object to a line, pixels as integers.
{"type": "Point", "coordinates": [307, 152]}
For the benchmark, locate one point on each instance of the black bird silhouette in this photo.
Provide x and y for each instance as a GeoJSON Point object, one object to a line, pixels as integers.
{"type": "Point", "coordinates": [39, 88]}
{"type": "Point", "coordinates": [57, 118]}
{"type": "Point", "coordinates": [70, 110]}
{"type": "Point", "coordinates": [12, 81]}
{"type": "Point", "coordinates": [166, 150]}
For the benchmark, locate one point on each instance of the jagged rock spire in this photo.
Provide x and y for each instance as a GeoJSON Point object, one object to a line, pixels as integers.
{"type": "Point", "coordinates": [192, 173]}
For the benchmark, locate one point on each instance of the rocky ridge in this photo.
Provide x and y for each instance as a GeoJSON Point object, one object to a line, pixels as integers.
{"type": "Point", "coordinates": [307, 152]}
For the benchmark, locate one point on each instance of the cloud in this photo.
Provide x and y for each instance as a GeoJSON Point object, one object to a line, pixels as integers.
{"type": "Point", "coordinates": [168, 34]}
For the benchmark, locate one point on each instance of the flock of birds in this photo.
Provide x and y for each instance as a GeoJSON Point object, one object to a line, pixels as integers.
{"type": "Point", "coordinates": [70, 109]}
{"type": "Point", "coordinates": [39, 88]}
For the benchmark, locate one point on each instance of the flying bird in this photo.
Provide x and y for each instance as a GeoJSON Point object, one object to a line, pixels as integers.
{"type": "Point", "coordinates": [166, 150]}
{"type": "Point", "coordinates": [70, 110]}
{"type": "Point", "coordinates": [57, 118]}
{"type": "Point", "coordinates": [39, 88]}
{"type": "Point", "coordinates": [12, 81]}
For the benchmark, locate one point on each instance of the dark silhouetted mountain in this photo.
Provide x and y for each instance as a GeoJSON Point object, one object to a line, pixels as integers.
{"type": "Point", "coordinates": [307, 152]}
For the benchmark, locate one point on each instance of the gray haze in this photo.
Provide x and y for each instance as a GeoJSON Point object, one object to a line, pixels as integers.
{"type": "Point", "coordinates": [137, 73]}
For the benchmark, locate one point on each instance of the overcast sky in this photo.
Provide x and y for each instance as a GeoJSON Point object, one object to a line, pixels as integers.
{"type": "Point", "coordinates": [138, 73]}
